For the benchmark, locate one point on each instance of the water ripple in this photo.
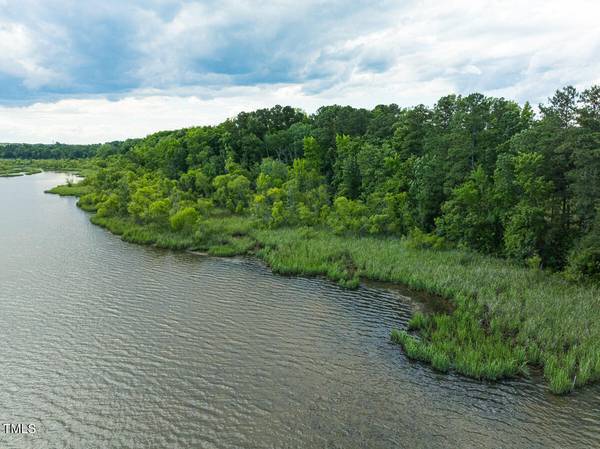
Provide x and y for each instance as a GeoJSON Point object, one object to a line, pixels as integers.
{"type": "Point", "coordinates": [108, 344]}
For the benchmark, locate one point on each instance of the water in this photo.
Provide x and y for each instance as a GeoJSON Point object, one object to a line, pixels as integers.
{"type": "Point", "coordinates": [108, 344]}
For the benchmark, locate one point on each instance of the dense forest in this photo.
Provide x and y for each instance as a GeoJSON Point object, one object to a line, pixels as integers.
{"type": "Point", "coordinates": [472, 171]}
{"type": "Point", "coordinates": [491, 205]}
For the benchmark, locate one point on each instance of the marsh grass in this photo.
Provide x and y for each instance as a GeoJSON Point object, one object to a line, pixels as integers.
{"type": "Point", "coordinates": [20, 167]}
{"type": "Point", "coordinates": [144, 235]}
{"type": "Point", "coordinates": [505, 317]}
{"type": "Point", "coordinates": [219, 236]}
{"type": "Point", "coordinates": [417, 321]}
{"type": "Point", "coordinates": [235, 246]}
{"type": "Point", "coordinates": [304, 252]}
{"type": "Point", "coordinates": [11, 168]}
{"type": "Point", "coordinates": [78, 190]}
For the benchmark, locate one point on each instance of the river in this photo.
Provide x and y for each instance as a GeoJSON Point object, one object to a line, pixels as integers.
{"type": "Point", "coordinates": [108, 344]}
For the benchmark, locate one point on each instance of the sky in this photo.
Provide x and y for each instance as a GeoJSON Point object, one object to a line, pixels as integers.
{"type": "Point", "coordinates": [90, 71]}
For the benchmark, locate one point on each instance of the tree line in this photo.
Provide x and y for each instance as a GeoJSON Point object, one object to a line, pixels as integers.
{"type": "Point", "coordinates": [62, 151]}
{"type": "Point", "coordinates": [472, 171]}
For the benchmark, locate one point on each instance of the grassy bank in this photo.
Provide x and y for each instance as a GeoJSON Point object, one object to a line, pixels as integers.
{"type": "Point", "coordinates": [11, 168]}
{"type": "Point", "coordinates": [506, 318]}
{"type": "Point", "coordinates": [69, 190]}
{"type": "Point", "coordinates": [221, 236]}
{"type": "Point", "coordinates": [21, 167]}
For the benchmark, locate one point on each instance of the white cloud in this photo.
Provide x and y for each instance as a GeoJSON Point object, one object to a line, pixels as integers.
{"type": "Point", "coordinates": [23, 55]}
{"type": "Point", "coordinates": [100, 120]}
{"type": "Point", "coordinates": [212, 42]}
{"type": "Point", "coordinates": [204, 61]}
{"type": "Point", "coordinates": [503, 47]}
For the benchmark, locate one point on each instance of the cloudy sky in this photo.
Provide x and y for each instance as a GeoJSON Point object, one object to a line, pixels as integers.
{"type": "Point", "coordinates": [96, 70]}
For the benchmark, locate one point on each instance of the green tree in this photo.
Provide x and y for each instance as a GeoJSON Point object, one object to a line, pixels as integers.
{"type": "Point", "coordinates": [470, 216]}
{"type": "Point", "coordinates": [232, 192]}
{"type": "Point", "coordinates": [527, 227]}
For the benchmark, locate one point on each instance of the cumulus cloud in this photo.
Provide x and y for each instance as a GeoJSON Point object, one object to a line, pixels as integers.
{"type": "Point", "coordinates": [201, 61]}
{"type": "Point", "coordinates": [232, 42]}
{"type": "Point", "coordinates": [24, 54]}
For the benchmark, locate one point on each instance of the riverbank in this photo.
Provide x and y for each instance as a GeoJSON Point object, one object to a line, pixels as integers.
{"type": "Point", "coordinates": [22, 167]}
{"type": "Point", "coordinates": [505, 319]}
{"type": "Point", "coordinates": [69, 190]}
{"type": "Point", "coordinates": [12, 168]}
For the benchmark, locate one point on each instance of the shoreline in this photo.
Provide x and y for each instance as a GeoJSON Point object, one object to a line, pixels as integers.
{"type": "Point", "coordinates": [503, 320]}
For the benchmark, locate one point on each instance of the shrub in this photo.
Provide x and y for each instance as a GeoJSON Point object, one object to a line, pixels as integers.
{"type": "Point", "coordinates": [418, 239]}
{"type": "Point", "coordinates": [110, 206]}
{"type": "Point", "coordinates": [348, 216]}
{"type": "Point", "coordinates": [584, 260]}
{"type": "Point", "coordinates": [184, 220]}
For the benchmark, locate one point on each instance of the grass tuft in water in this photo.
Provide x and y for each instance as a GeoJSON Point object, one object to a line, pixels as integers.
{"type": "Point", "coordinates": [418, 321]}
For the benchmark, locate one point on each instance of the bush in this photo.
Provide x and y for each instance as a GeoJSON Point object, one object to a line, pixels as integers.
{"type": "Point", "coordinates": [584, 260]}
{"type": "Point", "coordinates": [232, 191]}
{"type": "Point", "coordinates": [418, 239]}
{"type": "Point", "coordinates": [348, 216]}
{"type": "Point", "coordinates": [184, 220]}
{"type": "Point", "coordinates": [534, 262]}
{"type": "Point", "coordinates": [110, 206]}
{"type": "Point", "coordinates": [204, 206]}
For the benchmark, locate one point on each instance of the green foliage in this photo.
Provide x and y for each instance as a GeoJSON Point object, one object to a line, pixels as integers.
{"type": "Point", "coordinates": [418, 239]}
{"type": "Point", "coordinates": [204, 206]}
{"type": "Point", "coordinates": [483, 172]}
{"type": "Point", "coordinates": [232, 191]}
{"type": "Point", "coordinates": [52, 151]}
{"type": "Point", "coordinates": [112, 205]}
{"type": "Point", "coordinates": [78, 189]}
{"type": "Point", "coordinates": [184, 220]}
{"type": "Point", "coordinates": [20, 167]}
{"type": "Point", "coordinates": [584, 259]}
{"type": "Point", "coordinates": [195, 181]}
{"type": "Point", "coordinates": [278, 214]}
{"type": "Point", "coordinates": [348, 216]}
{"type": "Point", "coordinates": [414, 349]}
{"type": "Point", "coordinates": [273, 174]}
{"type": "Point", "coordinates": [313, 154]}
{"type": "Point", "coordinates": [470, 217]}
{"type": "Point", "coordinates": [441, 362]}
{"type": "Point", "coordinates": [506, 317]}
{"type": "Point", "coordinates": [418, 321]}
{"type": "Point", "coordinates": [347, 174]}
{"type": "Point", "coordinates": [233, 247]}
{"type": "Point", "coordinates": [524, 232]}
{"type": "Point", "coordinates": [350, 193]}
{"type": "Point", "coordinates": [426, 189]}
{"type": "Point", "coordinates": [301, 199]}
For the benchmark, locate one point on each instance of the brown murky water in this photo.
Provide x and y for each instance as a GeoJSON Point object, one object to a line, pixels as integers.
{"type": "Point", "coordinates": [110, 345]}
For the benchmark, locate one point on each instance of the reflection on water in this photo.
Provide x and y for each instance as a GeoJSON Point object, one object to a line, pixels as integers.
{"type": "Point", "coordinates": [107, 344]}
